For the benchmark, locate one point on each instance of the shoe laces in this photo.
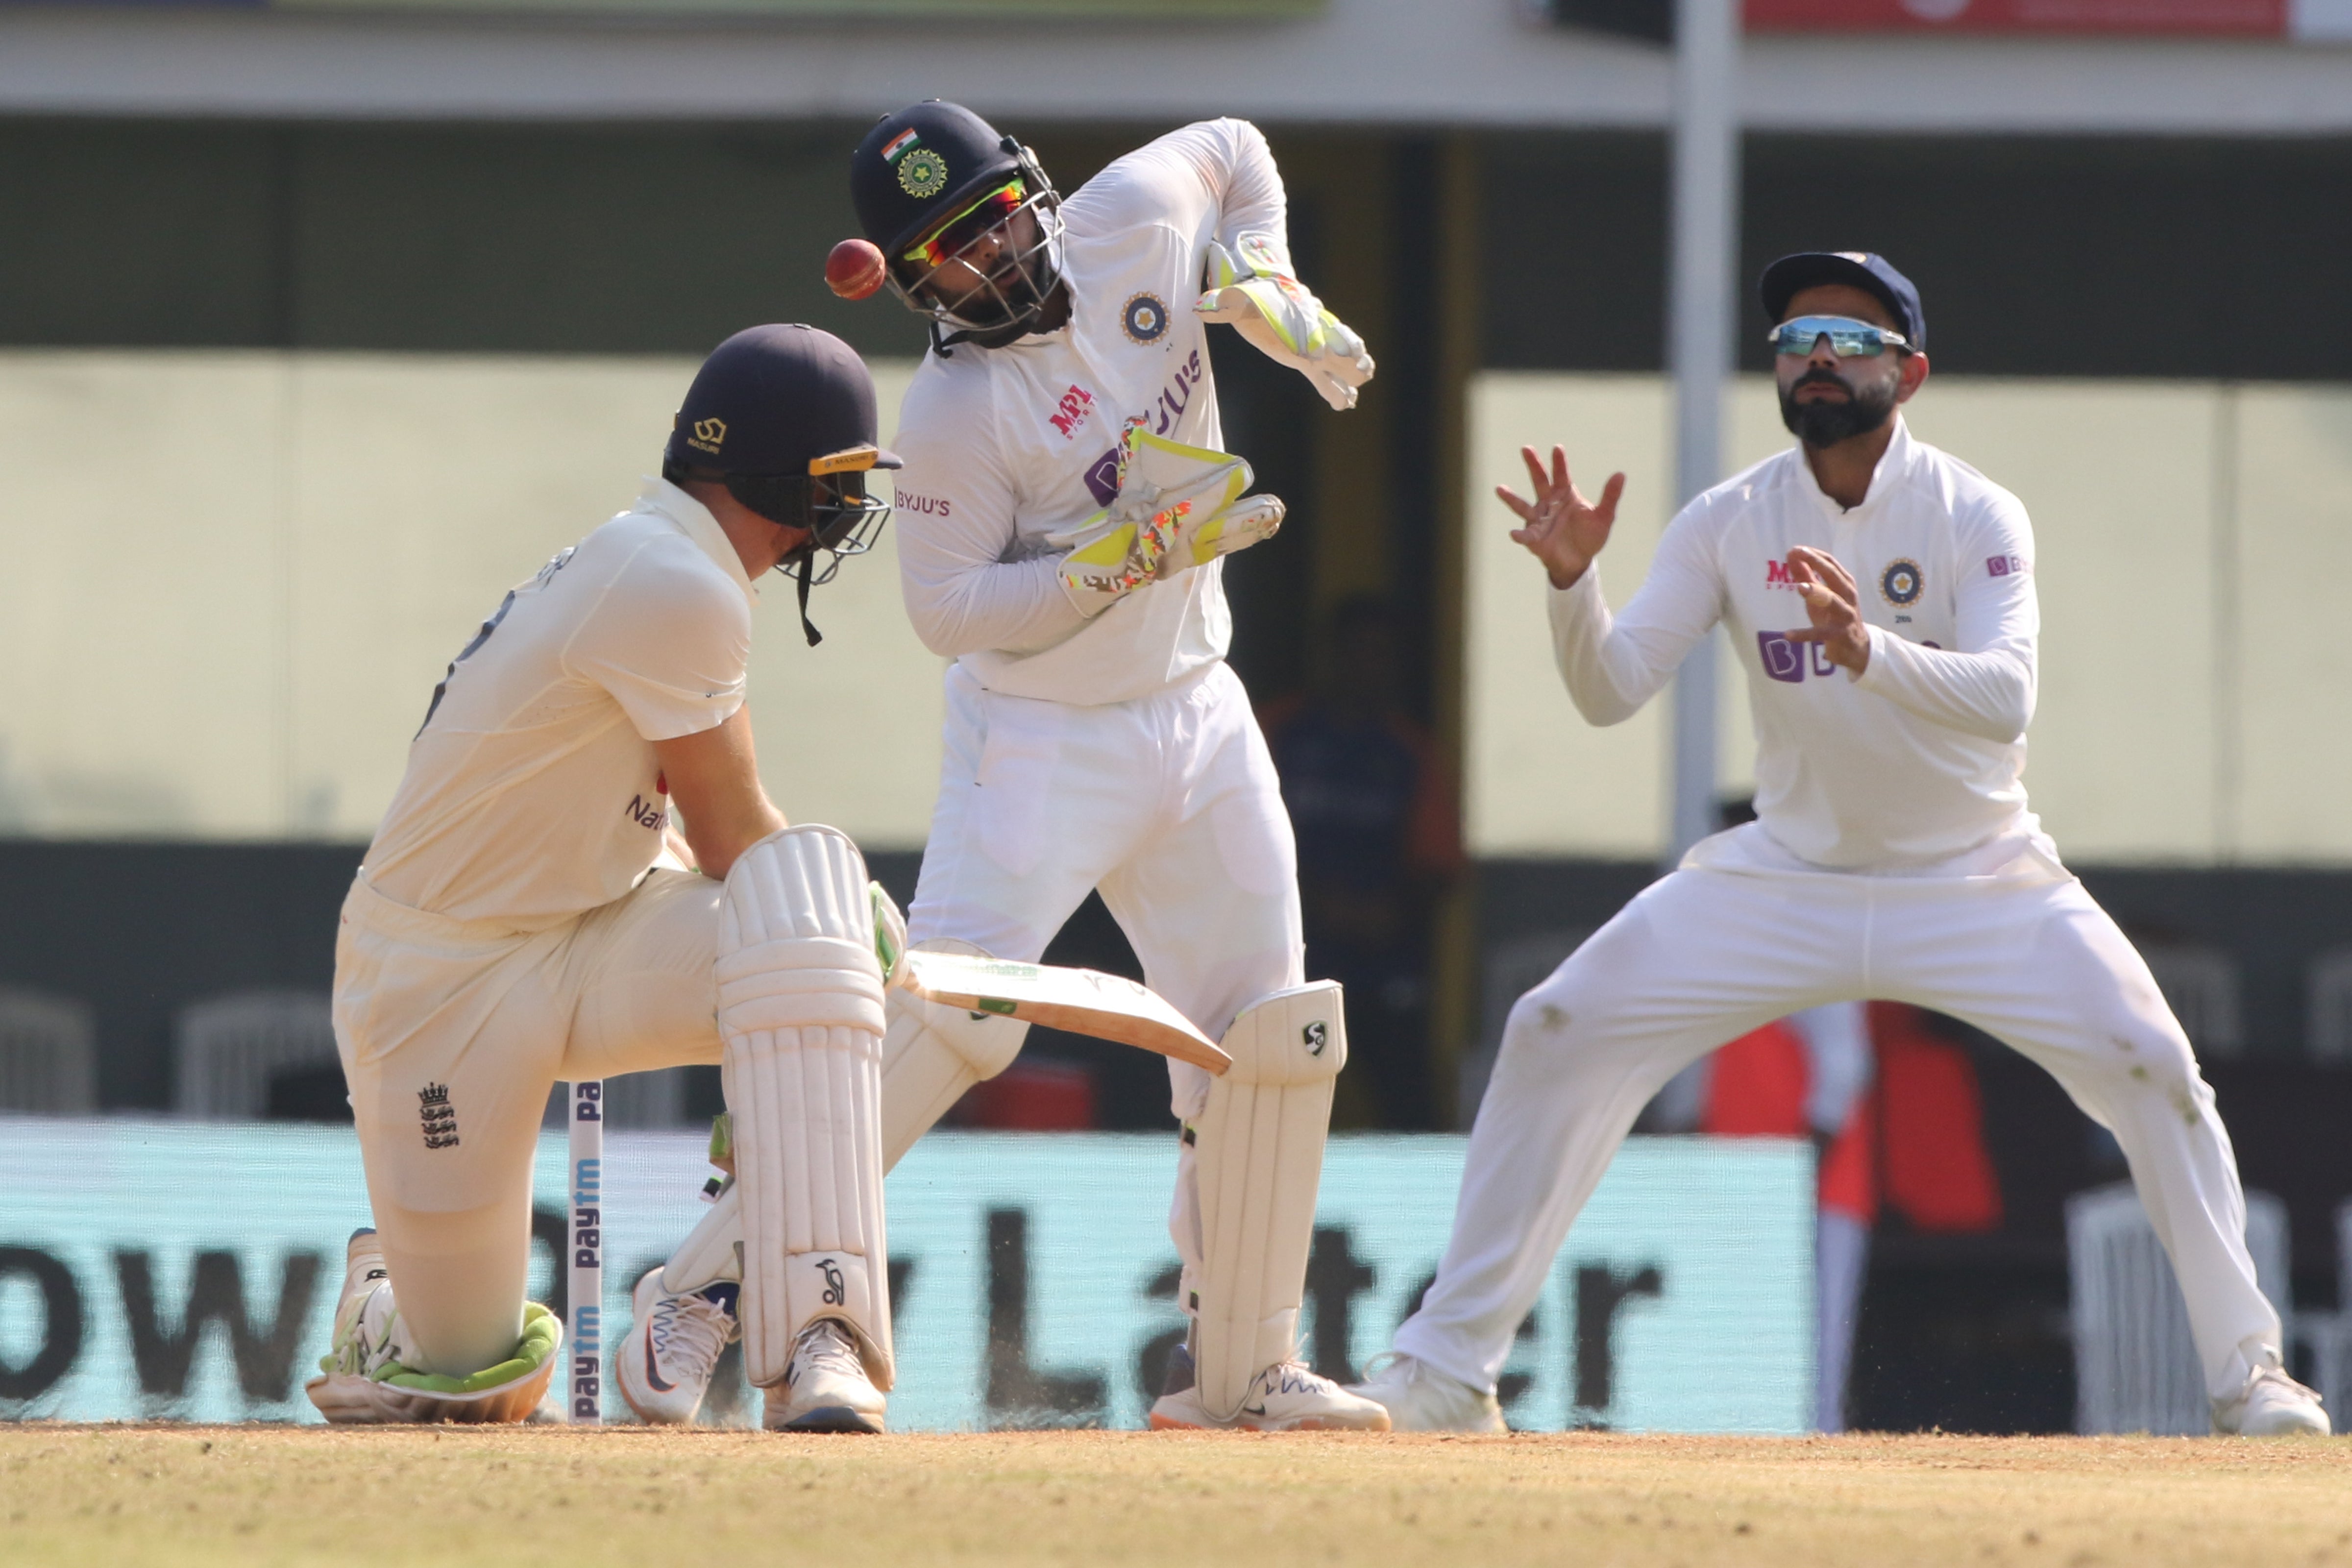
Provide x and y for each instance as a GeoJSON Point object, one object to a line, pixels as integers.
{"type": "Point", "coordinates": [2277, 1375]}
{"type": "Point", "coordinates": [824, 1347]}
{"type": "Point", "coordinates": [688, 1333]}
{"type": "Point", "coordinates": [1293, 1378]}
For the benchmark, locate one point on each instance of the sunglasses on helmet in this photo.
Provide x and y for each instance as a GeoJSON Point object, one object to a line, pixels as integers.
{"type": "Point", "coordinates": [969, 224]}
{"type": "Point", "coordinates": [1849, 339]}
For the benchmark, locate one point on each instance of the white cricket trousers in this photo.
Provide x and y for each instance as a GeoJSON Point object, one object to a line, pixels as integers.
{"type": "Point", "coordinates": [2002, 937]}
{"type": "Point", "coordinates": [486, 1019]}
{"type": "Point", "coordinates": [1169, 805]}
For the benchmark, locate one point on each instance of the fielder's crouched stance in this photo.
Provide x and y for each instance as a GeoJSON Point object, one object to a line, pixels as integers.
{"type": "Point", "coordinates": [509, 929]}
{"type": "Point", "coordinates": [1893, 855]}
{"type": "Point", "coordinates": [1064, 511]}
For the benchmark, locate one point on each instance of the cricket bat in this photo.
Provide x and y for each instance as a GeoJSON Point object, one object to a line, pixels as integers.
{"type": "Point", "coordinates": [1083, 1001]}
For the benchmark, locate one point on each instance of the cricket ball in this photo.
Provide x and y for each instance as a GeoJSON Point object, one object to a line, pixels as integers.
{"type": "Point", "coordinates": [854, 270]}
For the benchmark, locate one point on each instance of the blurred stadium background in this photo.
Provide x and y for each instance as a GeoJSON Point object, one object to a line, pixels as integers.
{"type": "Point", "coordinates": [321, 323]}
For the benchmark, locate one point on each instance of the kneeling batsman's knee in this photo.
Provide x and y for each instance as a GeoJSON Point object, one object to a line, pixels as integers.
{"type": "Point", "coordinates": [800, 1021]}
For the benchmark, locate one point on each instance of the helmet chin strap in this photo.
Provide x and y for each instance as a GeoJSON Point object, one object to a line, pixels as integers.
{"type": "Point", "coordinates": [808, 564]}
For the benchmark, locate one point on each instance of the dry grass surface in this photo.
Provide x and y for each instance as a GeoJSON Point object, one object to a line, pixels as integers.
{"type": "Point", "coordinates": [253, 1495]}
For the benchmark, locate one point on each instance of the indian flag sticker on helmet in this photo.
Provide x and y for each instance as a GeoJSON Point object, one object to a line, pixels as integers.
{"type": "Point", "coordinates": [922, 173]}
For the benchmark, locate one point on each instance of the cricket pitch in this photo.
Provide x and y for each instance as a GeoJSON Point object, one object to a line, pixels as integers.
{"type": "Point", "coordinates": [510, 1496]}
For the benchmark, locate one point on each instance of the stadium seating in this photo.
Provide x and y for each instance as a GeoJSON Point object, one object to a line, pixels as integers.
{"type": "Point", "coordinates": [48, 1059]}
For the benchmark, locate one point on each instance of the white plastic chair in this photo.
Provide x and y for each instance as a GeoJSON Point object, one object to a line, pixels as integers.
{"type": "Point", "coordinates": [227, 1049]}
{"type": "Point", "coordinates": [2136, 1369]}
{"type": "Point", "coordinates": [2328, 1025]}
{"type": "Point", "coordinates": [2200, 985]}
{"type": "Point", "coordinates": [1513, 968]}
{"type": "Point", "coordinates": [48, 1055]}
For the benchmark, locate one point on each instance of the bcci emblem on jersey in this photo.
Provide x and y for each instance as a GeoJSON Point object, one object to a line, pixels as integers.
{"type": "Point", "coordinates": [1900, 584]}
{"type": "Point", "coordinates": [1144, 319]}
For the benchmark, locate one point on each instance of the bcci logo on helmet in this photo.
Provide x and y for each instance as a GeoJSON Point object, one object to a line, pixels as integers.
{"type": "Point", "coordinates": [708, 434]}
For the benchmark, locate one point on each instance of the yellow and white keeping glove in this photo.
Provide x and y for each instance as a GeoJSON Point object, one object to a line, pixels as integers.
{"type": "Point", "coordinates": [1179, 506]}
{"type": "Point", "coordinates": [1251, 288]}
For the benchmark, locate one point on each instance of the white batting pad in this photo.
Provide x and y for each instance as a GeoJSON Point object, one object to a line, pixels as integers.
{"type": "Point", "coordinates": [1258, 1150]}
{"type": "Point", "coordinates": [801, 1020]}
{"type": "Point", "coordinates": [931, 1053]}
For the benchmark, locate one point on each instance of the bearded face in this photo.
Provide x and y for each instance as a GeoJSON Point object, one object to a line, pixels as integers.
{"type": "Point", "coordinates": [1823, 417]}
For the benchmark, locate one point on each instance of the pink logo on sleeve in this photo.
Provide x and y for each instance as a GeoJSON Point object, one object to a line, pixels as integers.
{"type": "Point", "coordinates": [2005, 565]}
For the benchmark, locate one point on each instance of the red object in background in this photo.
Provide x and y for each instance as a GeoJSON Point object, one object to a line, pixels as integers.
{"type": "Point", "coordinates": [1755, 1087]}
{"type": "Point", "coordinates": [1917, 1140]}
{"type": "Point", "coordinates": [1032, 1096]}
{"type": "Point", "coordinates": [2256, 18]}
{"type": "Point", "coordinates": [1938, 1173]}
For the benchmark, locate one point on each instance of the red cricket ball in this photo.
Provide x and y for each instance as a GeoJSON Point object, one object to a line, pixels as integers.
{"type": "Point", "coordinates": [854, 270]}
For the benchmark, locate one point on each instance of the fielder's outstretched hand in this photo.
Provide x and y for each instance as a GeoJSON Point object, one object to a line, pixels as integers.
{"type": "Point", "coordinates": [1564, 530]}
{"type": "Point", "coordinates": [1831, 601]}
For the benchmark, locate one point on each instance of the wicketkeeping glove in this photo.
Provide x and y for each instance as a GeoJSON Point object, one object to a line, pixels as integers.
{"type": "Point", "coordinates": [1179, 506]}
{"type": "Point", "coordinates": [1251, 289]}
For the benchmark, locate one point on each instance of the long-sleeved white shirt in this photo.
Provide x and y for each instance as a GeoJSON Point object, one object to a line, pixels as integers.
{"type": "Point", "coordinates": [1919, 759]}
{"type": "Point", "coordinates": [1004, 445]}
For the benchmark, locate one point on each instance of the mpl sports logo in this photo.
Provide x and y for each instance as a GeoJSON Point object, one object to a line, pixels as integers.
{"type": "Point", "coordinates": [1074, 405]}
{"type": "Point", "coordinates": [1776, 576]}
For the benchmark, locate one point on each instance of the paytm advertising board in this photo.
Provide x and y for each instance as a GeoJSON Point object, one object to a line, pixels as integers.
{"type": "Point", "coordinates": [153, 1269]}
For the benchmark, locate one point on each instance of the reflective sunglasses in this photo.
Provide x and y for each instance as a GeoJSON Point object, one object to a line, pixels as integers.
{"type": "Point", "coordinates": [1849, 339]}
{"type": "Point", "coordinates": [969, 224]}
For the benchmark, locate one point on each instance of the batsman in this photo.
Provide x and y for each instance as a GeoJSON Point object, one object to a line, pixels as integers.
{"type": "Point", "coordinates": [510, 928]}
{"type": "Point", "coordinates": [1064, 510]}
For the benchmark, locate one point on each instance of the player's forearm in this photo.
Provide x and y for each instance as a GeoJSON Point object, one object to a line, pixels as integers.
{"type": "Point", "coordinates": [1016, 606]}
{"type": "Point", "coordinates": [1609, 670]}
{"type": "Point", "coordinates": [1988, 695]}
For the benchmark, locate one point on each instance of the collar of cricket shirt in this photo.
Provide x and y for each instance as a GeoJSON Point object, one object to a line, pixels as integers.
{"type": "Point", "coordinates": [693, 519]}
{"type": "Point", "coordinates": [1893, 464]}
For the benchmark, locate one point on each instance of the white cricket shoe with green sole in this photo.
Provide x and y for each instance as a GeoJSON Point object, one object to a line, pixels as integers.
{"type": "Point", "coordinates": [366, 1380]}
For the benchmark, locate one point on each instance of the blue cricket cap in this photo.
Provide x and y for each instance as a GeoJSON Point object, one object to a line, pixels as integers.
{"type": "Point", "coordinates": [1866, 271]}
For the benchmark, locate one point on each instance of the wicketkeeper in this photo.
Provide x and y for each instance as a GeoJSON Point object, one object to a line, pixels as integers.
{"type": "Point", "coordinates": [508, 928]}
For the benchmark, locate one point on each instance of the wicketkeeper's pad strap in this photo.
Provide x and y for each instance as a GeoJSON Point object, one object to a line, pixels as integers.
{"type": "Point", "coordinates": [1259, 1157]}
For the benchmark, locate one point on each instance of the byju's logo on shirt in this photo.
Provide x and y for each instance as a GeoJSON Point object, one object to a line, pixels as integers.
{"type": "Point", "coordinates": [1786, 660]}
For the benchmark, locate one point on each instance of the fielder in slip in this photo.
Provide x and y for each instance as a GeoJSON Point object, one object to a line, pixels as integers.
{"type": "Point", "coordinates": [508, 928]}
{"type": "Point", "coordinates": [1063, 514]}
{"type": "Point", "coordinates": [1894, 856]}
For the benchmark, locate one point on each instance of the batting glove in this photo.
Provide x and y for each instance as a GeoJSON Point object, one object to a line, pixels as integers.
{"type": "Point", "coordinates": [1251, 289]}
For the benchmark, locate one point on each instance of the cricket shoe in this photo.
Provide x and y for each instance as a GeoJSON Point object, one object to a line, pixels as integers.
{"type": "Point", "coordinates": [825, 1388]}
{"type": "Point", "coordinates": [367, 1376]}
{"type": "Point", "coordinates": [2272, 1405]}
{"type": "Point", "coordinates": [665, 1363]}
{"type": "Point", "coordinates": [1285, 1397]}
{"type": "Point", "coordinates": [1420, 1398]}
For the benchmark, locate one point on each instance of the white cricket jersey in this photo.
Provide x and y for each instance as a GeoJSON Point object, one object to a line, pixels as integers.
{"type": "Point", "coordinates": [1004, 445]}
{"type": "Point", "coordinates": [1917, 760]}
{"type": "Point", "coordinates": [532, 793]}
